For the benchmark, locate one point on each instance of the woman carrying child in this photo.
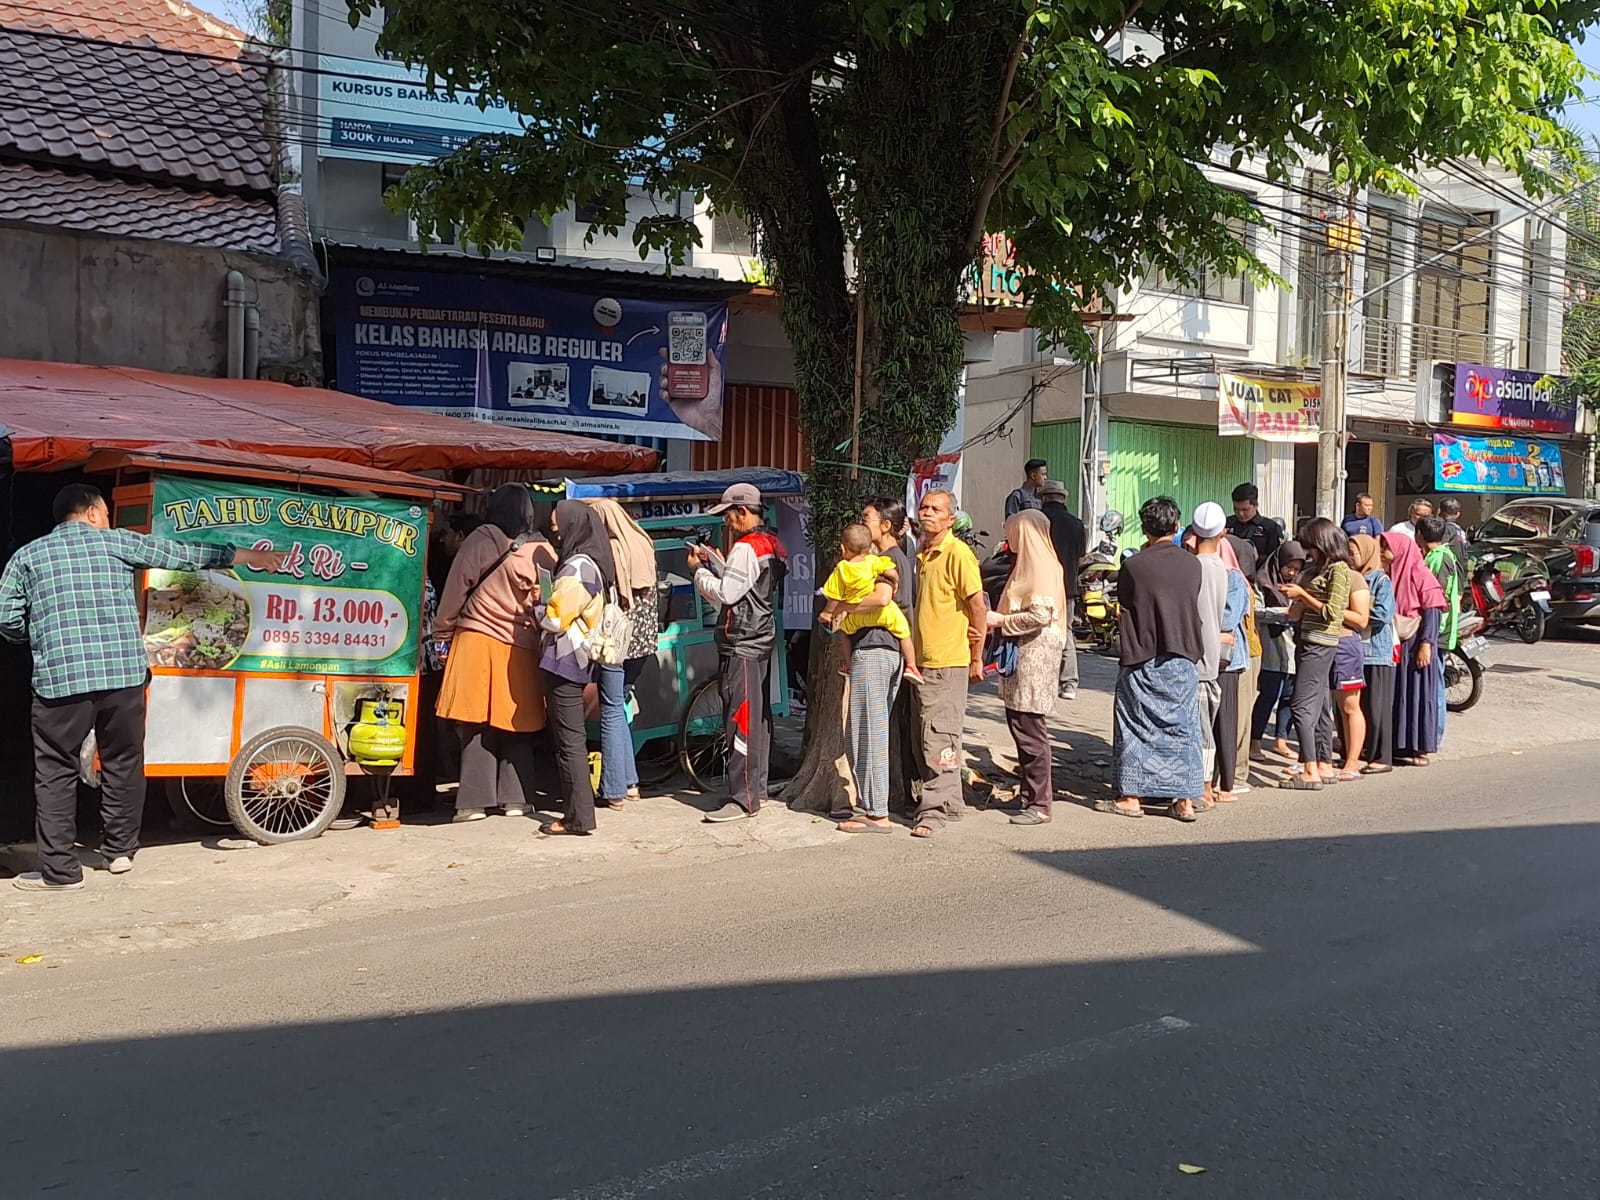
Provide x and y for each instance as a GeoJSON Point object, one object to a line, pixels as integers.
{"type": "Point", "coordinates": [868, 595]}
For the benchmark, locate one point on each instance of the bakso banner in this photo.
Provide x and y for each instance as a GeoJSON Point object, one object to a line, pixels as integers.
{"type": "Point", "coordinates": [1502, 398]}
{"type": "Point", "coordinates": [519, 354]}
{"type": "Point", "coordinates": [1269, 410]}
{"type": "Point", "coordinates": [347, 601]}
{"type": "Point", "coordinates": [1508, 465]}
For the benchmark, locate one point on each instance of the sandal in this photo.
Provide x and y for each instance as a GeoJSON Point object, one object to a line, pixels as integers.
{"type": "Point", "coordinates": [1110, 806]}
{"type": "Point", "coordinates": [862, 825]}
{"type": "Point", "coordinates": [927, 831]}
{"type": "Point", "coordinates": [562, 829]}
{"type": "Point", "coordinates": [1177, 814]}
{"type": "Point", "coordinates": [1347, 776]}
{"type": "Point", "coordinates": [1300, 785]}
{"type": "Point", "coordinates": [1376, 769]}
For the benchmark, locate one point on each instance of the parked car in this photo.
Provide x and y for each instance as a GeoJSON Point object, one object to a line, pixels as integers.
{"type": "Point", "coordinates": [1557, 536]}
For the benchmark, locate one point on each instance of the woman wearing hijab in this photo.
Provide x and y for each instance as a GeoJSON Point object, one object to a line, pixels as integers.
{"type": "Point", "coordinates": [1418, 606]}
{"type": "Point", "coordinates": [1380, 645]}
{"type": "Point", "coordinates": [584, 573]}
{"type": "Point", "coordinates": [633, 555]}
{"type": "Point", "coordinates": [1276, 689]}
{"type": "Point", "coordinates": [491, 676]}
{"type": "Point", "coordinates": [1033, 613]}
{"type": "Point", "coordinates": [1250, 680]}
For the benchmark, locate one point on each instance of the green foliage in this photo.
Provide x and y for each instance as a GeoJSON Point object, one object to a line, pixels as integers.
{"type": "Point", "coordinates": [908, 128]}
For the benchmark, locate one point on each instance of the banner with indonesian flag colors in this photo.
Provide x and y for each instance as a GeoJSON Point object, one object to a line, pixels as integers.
{"type": "Point", "coordinates": [347, 602]}
{"type": "Point", "coordinates": [1270, 410]}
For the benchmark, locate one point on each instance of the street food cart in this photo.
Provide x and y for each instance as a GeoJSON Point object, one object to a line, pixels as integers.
{"type": "Point", "coordinates": [268, 690]}
{"type": "Point", "coordinates": [678, 722]}
{"type": "Point", "coordinates": [149, 440]}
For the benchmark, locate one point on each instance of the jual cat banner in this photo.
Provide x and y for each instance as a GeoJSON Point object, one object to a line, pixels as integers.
{"type": "Point", "coordinates": [1269, 410]}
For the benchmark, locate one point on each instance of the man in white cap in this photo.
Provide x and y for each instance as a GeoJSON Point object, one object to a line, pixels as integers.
{"type": "Point", "coordinates": [747, 588]}
{"type": "Point", "coordinates": [1205, 530]}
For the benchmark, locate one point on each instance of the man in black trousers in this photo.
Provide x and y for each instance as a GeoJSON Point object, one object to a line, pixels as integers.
{"type": "Point", "coordinates": [70, 596]}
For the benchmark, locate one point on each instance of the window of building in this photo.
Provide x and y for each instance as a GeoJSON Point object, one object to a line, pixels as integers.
{"type": "Point", "coordinates": [1455, 257]}
{"type": "Point", "coordinates": [1382, 350]}
{"type": "Point", "coordinates": [1209, 283]}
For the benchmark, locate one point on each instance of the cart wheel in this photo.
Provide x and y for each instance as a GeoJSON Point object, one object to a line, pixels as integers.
{"type": "Point", "coordinates": [285, 785]}
{"type": "Point", "coordinates": [703, 739]}
{"type": "Point", "coordinates": [656, 761]}
{"type": "Point", "coordinates": [197, 800]}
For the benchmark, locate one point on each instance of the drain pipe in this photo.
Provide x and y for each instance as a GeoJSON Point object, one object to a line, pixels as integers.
{"type": "Point", "coordinates": [235, 305]}
{"type": "Point", "coordinates": [252, 342]}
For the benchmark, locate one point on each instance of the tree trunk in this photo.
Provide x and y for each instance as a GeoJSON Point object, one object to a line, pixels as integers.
{"type": "Point", "coordinates": [923, 143]}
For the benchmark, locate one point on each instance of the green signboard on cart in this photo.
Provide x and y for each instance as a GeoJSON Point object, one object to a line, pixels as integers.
{"type": "Point", "coordinates": [347, 602]}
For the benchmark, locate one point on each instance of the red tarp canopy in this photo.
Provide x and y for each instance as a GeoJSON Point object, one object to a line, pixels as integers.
{"type": "Point", "coordinates": [58, 415]}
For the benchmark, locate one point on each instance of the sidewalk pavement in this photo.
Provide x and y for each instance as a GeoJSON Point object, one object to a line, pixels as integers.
{"type": "Point", "coordinates": [187, 893]}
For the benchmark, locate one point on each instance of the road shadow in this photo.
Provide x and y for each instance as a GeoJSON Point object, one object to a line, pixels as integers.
{"type": "Point", "coordinates": [1432, 986]}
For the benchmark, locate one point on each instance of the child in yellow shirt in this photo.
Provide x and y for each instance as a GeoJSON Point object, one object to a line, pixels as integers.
{"type": "Point", "coordinates": [852, 581]}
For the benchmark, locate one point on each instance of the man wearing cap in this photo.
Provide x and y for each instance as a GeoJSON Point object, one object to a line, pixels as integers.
{"type": "Point", "coordinates": [1035, 472]}
{"type": "Point", "coordinates": [1071, 542]}
{"type": "Point", "coordinates": [1205, 530]}
{"type": "Point", "coordinates": [746, 587]}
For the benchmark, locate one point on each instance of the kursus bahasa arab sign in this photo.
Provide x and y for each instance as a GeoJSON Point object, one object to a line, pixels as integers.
{"type": "Point", "coordinates": [347, 601]}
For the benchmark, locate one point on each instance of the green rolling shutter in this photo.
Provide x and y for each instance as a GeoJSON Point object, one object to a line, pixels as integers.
{"type": "Point", "coordinates": [1060, 443]}
{"type": "Point", "coordinates": [1192, 464]}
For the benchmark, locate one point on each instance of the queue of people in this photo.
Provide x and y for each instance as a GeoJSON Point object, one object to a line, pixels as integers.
{"type": "Point", "coordinates": [1231, 639]}
{"type": "Point", "coordinates": [1345, 632]}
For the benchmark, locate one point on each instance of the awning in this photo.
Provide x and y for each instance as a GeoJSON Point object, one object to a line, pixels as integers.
{"type": "Point", "coordinates": [59, 415]}
{"type": "Point", "coordinates": [278, 469]}
{"type": "Point", "coordinates": [676, 485]}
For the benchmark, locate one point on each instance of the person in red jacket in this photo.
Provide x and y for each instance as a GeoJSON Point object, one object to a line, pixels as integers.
{"type": "Point", "coordinates": [747, 586]}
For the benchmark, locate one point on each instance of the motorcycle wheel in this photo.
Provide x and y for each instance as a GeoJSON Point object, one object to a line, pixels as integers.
{"type": "Point", "coordinates": [1529, 623]}
{"type": "Point", "coordinates": [1463, 681]}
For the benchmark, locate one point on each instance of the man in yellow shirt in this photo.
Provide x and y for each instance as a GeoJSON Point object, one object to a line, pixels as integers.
{"type": "Point", "coordinates": [951, 613]}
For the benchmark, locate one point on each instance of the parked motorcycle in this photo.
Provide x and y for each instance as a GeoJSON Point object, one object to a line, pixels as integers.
{"type": "Point", "coordinates": [1463, 666]}
{"type": "Point", "coordinates": [1098, 614]}
{"type": "Point", "coordinates": [1521, 605]}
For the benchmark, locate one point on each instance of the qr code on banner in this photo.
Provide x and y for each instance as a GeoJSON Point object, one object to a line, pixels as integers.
{"type": "Point", "coordinates": [687, 344]}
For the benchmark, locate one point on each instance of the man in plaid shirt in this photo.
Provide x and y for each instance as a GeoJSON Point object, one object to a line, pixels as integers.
{"type": "Point", "coordinates": [70, 596]}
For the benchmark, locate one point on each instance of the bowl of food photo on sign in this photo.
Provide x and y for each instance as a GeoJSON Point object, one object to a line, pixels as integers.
{"type": "Point", "coordinates": [195, 620]}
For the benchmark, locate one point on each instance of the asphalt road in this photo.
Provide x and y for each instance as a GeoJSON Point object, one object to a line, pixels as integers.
{"type": "Point", "coordinates": [1363, 994]}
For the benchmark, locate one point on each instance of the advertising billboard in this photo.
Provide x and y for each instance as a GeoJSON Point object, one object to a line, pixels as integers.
{"type": "Point", "coordinates": [1502, 398]}
{"type": "Point", "coordinates": [389, 112]}
{"type": "Point", "coordinates": [502, 350]}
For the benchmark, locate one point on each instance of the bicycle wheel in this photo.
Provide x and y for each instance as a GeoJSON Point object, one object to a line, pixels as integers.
{"type": "Point", "coordinates": [703, 739]}
{"type": "Point", "coordinates": [285, 785]}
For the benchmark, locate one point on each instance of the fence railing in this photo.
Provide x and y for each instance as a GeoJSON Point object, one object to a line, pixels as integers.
{"type": "Point", "coordinates": [1397, 349]}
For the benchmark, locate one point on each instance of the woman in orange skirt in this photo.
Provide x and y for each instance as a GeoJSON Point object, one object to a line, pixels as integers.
{"type": "Point", "coordinates": [491, 686]}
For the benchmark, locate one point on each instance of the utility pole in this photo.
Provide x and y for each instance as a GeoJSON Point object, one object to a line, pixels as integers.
{"type": "Point", "coordinates": [1343, 240]}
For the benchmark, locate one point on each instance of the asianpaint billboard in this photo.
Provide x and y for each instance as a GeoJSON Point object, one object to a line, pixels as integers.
{"type": "Point", "coordinates": [502, 350]}
{"type": "Point", "coordinates": [1501, 398]}
{"type": "Point", "coordinates": [1510, 465]}
{"type": "Point", "coordinates": [388, 112]}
